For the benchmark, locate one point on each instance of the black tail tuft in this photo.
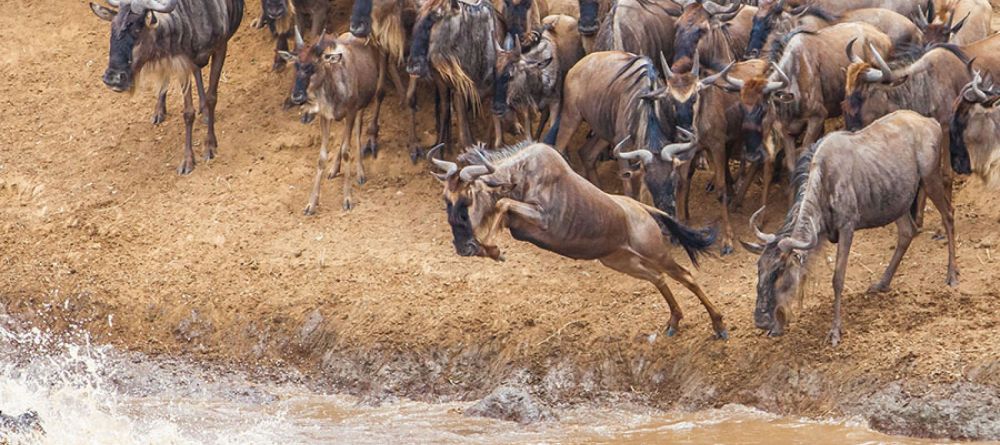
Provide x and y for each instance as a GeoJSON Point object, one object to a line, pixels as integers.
{"type": "Point", "coordinates": [694, 241]}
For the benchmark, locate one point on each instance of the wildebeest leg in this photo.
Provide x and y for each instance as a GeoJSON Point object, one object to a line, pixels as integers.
{"type": "Point", "coordinates": [934, 185]}
{"type": "Point", "coordinates": [685, 173]}
{"type": "Point", "coordinates": [187, 165]}
{"type": "Point", "coordinates": [218, 59]}
{"type": "Point", "coordinates": [683, 275]}
{"type": "Point", "coordinates": [542, 120]}
{"type": "Point", "coordinates": [160, 113]}
{"type": "Point", "coordinates": [345, 157]}
{"type": "Point", "coordinates": [280, 45]}
{"type": "Point", "coordinates": [324, 130]}
{"type": "Point", "coordinates": [371, 147]}
{"type": "Point", "coordinates": [462, 114]}
{"type": "Point", "coordinates": [569, 121]}
{"type": "Point", "coordinates": [589, 153]}
{"type": "Point", "coordinates": [721, 174]}
{"type": "Point", "coordinates": [362, 178]}
{"type": "Point", "coordinates": [497, 130]}
{"type": "Point", "coordinates": [846, 236]}
{"type": "Point", "coordinates": [636, 267]}
{"type": "Point", "coordinates": [906, 230]}
{"type": "Point", "coordinates": [397, 82]}
{"type": "Point", "coordinates": [411, 103]}
{"type": "Point", "coordinates": [749, 174]}
{"type": "Point", "coordinates": [201, 91]}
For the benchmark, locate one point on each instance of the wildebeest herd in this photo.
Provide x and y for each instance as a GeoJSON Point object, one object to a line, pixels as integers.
{"type": "Point", "coordinates": [666, 88]}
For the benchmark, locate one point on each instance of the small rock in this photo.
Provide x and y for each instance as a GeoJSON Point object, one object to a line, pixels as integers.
{"type": "Point", "coordinates": [27, 422]}
{"type": "Point", "coordinates": [511, 404]}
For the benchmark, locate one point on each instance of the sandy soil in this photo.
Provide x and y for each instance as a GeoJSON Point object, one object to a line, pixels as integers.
{"type": "Point", "coordinates": [96, 228]}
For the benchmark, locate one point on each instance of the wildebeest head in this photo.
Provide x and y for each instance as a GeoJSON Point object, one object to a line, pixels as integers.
{"type": "Point", "coordinates": [274, 10]}
{"type": "Point", "coordinates": [694, 23]}
{"type": "Point", "coordinates": [938, 31]}
{"type": "Point", "coordinates": [757, 95]}
{"type": "Point", "coordinates": [306, 59]}
{"type": "Point", "coordinates": [781, 269]}
{"type": "Point", "coordinates": [515, 16]}
{"type": "Point", "coordinates": [588, 24]}
{"type": "Point", "coordinates": [130, 24]}
{"type": "Point", "coordinates": [470, 196]}
{"type": "Point", "coordinates": [977, 101]}
{"type": "Point", "coordinates": [523, 71]}
{"type": "Point", "coordinates": [361, 18]}
{"type": "Point", "coordinates": [654, 138]}
{"type": "Point", "coordinates": [684, 87]}
{"type": "Point", "coordinates": [433, 11]}
{"type": "Point", "coordinates": [763, 22]}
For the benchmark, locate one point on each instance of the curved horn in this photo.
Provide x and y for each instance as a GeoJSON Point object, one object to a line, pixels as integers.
{"type": "Point", "coordinates": [774, 86]}
{"type": "Point", "coordinates": [450, 168]}
{"type": "Point", "coordinates": [667, 73]}
{"type": "Point", "coordinates": [873, 75]}
{"type": "Point", "coordinates": [472, 172]}
{"type": "Point", "coordinates": [696, 63]}
{"type": "Point", "coordinates": [788, 244]}
{"type": "Point", "coordinates": [882, 66]}
{"type": "Point", "coordinates": [765, 238]}
{"type": "Point", "coordinates": [668, 151]}
{"type": "Point", "coordinates": [642, 154]}
{"type": "Point", "coordinates": [974, 88]}
{"type": "Point", "coordinates": [729, 14]}
{"type": "Point", "coordinates": [710, 80]}
{"type": "Point", "coordinates": [164, 6]}
{"type": "Point", "coordinates": [850, 52]}
{"type": "Point", "coordinates": [921, 18]}
{"type": "Point", "coordinates": [115, 3]}
{"type": "Point", "coordinates": [715, 9]}
{"type": "Point", "coordinates": [960, 24]}
{"type": "Point", "coordinates": [736, 83]}
{"type": "Point", "coordinates": [299, 43]}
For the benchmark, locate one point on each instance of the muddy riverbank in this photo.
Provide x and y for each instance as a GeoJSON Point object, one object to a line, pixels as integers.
{"type": "Point", "coordinates": [97, 230]}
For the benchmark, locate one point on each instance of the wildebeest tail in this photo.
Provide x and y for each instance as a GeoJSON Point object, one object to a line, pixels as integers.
{"type": "Point", "coordinates": [694, 241]}
{"type": "Point", "coordinates": [550, 136]}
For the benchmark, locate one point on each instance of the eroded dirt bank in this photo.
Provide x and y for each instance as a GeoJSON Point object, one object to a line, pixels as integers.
{"type": "Point", "coordinates": [97, 229]}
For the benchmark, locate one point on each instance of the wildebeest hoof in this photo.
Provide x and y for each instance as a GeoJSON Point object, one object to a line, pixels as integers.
{"type": "Point", "coordinates": [333, 173]}
{"type": "Point", "coordinates": [671, 331]}
{"type": "Point", "coordinates": [348, 205]}
{"type": "Point", "coordinates": [158, 118]}
{"type": "Point", "coordinates": [209, 154]}
{"type": "Point", "coordinates": [722, 335]}
{"type": "Point", "coordinates": [416, 154]}
{"type": "Point", "coordinates": [938, 236]}
{"type": "Point", "coordinates": [834, 337]}
{"type": "Point", "coordinates": [952, 281]}
{"type": "Point", "coordinates": [185, 168]}
{"type": "Point", "coordinates": [307, 118]}
{"type": "Point", "coordinates": [310, 209]}
{"type": "Point", "coordinates": [727, 249]}
{"type": "Point", "coordinates": [362, 179]}
{"type": "Point", "coordinates": [370, 149]}
{"type": "Point", "coordinates": [279, 65]}
{"type": "Point", "coordinates": [710, 187]}
{"type": "Point", "coordinates": [878, 288]}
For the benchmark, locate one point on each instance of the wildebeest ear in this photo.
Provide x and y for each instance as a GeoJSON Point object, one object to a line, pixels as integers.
{"type": "Point", "coordinates": [752, 247]}
{"type": "Point", "coordinates": [287, 56]}
{"type": "Point", "coordinates": [504, 186]}
{"type": "Point", "coordinates": [900, 80]}
{"type": "Point", "coordinates": [151, 19]}
{"type": "Point", "coordinates": [784, 96]}
{"type": "Point", "coordinates": [544, 63]}
{"type": "Point", "coordinates": [102, 12]}
{"type": "Point", "coordinates": [333, 57]}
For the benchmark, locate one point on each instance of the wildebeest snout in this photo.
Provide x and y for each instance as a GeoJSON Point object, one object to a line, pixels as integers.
{"type": "Point", "coordinates": [467, 248]}
{"type": "Point", "coordinates": [117, 80]}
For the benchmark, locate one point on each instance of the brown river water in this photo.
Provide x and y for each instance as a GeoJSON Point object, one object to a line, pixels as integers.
{"type": "Point", "coordinates": [88, 394]}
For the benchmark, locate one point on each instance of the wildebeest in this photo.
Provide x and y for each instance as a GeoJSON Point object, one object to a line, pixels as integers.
{"type": "Point", "coordinates": [973, 25]}
{"type": "Point", "coordinates": [164, 39]}
{"type": "Point", "coordinates": [530, 79]}
{"type": "Point", "coordinates": [336, 77]}
{"type": "Point", "coordinates": [714, 114]}
{"type": "Point", "coordinates": [531, 190]}
{"type": "Point", "coordinates": [805, 88]}
{"type": "Point", "coordinates": [518, 17]}
{"type": "Point", "coordinates": [772, 22]}
{"type": "Point", "coordinates": [975, 125]}
{"type": "Point", "coordinates": [458, 39]}
{"type": "Point", "coordinates": [908, 8]}
{"type": "Point", "coordinates": [851, 181]}
{"type": "Point", "coordinates": [643, 27]}
{"type": "Point", "coordinates": [621, 96]}
{"type": "Point", "coordinates": [717, 36]}
{"type": "Point", "coordinates": [282, 16]}
{"type": "Point", "coordinates": [592, 14]}
{"type": "Point", "coordinates": [388, 24]}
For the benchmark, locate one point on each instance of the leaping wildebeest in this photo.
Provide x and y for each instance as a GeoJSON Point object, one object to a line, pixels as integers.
{"type": "Point", "coordinates": [164, 39]}
{"type": "Point", "coordinates": [339, 78]}
{"type": "Point", "coordinates": [846, 182]}
{"type": "Point", "coordinates": [531, 190]}
{"type": "Point", "coordinates": [975, 126]}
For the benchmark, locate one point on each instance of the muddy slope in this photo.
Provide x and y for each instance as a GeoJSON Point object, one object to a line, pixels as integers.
{"type": "Point", "coordinates": [97, 229]}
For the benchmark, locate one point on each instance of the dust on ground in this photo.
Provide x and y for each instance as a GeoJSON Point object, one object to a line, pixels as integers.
{"type": "Point", "coordinates": [96, 228]}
